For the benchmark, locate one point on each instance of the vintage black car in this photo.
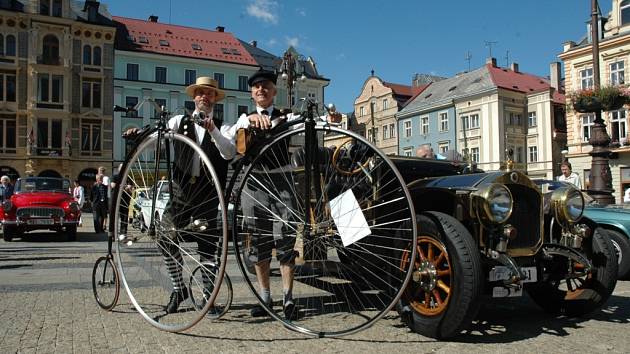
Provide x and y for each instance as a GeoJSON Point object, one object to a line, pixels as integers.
{"type": "Point", "coordinates": [496, 234]}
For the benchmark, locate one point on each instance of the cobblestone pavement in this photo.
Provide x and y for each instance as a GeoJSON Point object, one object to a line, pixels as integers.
{"type": "Point", "coordinates": [46, 306]}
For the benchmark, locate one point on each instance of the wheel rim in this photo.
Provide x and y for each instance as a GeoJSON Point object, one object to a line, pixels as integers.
{"type": "Point", "coordinates": [618, 251]}
{"type": "Point", "coordinates": [338, 290]}
{"type": "Point", "coordinates": [429, 290]}
{"type": "Point", "coordinates": [105, 283]}
{"type": "Point", "coordinates": [151, 262]}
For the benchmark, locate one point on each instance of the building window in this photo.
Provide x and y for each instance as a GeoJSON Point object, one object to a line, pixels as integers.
{"type": "Point", "coordinates": [392, 130]}
{"type": "Point", "coordinates": [407, 128]}
{"type": "Point", "coordinates": [242, 83]}
{"type": "Point", "coordinates": [424, 125]}
{"type": "Point", "coordinates": [474, 154]}
{"type": "Point", "coordinates": [385, 104]}
{"type": "Point", "coordinates": [130, 102]}
{"type": "Point", "coordinates": [191, 77]}
{"type": "Point", "coordinates": [160, 74]}
{"type": "Point", "coordinates": [96, 57]}
{"type": "Point", "coordinates": [474, 121]}
{"type": "Point", "coordinates": [465, 123]}
{"type": "Point", "coordinates": [7, 136]}
{"type": "Point", "coordinates": [385, 132]}
{"type": "Point", "coordinates": [519, 154]}
{"type": "Point", "coordinates": [407, 151]}
{"type": "Point", "coordinates": [132, 72]}
{"type": "Point", "coordinates": [443, 122]}
{"type": "Point", "coordinates": [7, 87]}
{"type": "Point", "coordinates": [218, 111]}
{"type": "Point", "coordinates": [50, 50]}
{"type": "Point", "coordinates": [44, 7]}
{"type": "Point", "coordinates": [7, 45]}
{"type": "Point", "coordinates": [616, 73]}
{"type": "Point", "coordinates": [624, 8]}
{"type": "Point", "coordinates": [618, 126]}
{"type": "Point", "coordinates": [90, 137]}
{"type": "Point", "coordinates": [532, 121]}
{"type": "Point", "coordinates": [91, 91]}
{"type": "Point", "coordinates": [220, 79]}
{"type": "Point", "coordinates": [160, 102]}
{"type": "Point", "coordinates": [49, 137]}
{"type": "Point", "coordinates": [361, 111]}
{"type": "Point", "coordinates": [242, 110]}
{"type": "Point", "coordinates": [533, 153]}
{"type": "Point", "coordinates": [56, 8]}
{"type": "Point", "coordinates": [87, 55]}
{"type": "Point", "coordinates": [587, 125]}
{"type": "Point", "coordinates": [50, 89]}
{"type": "Point", "coordinates": [372, 133]}
{"type": "Point", "coordinates": [586, 78]}
{"type": "Point", "coordinates": [443, 148]}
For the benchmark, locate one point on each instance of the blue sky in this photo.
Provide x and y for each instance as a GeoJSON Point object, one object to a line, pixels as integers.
{"type": "Point", "coordinates": [347, 38]}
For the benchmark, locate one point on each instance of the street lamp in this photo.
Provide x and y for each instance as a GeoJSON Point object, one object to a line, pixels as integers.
{"type": "Point", "coordinates": [291, 68]}
{"type": "Point", "coordinates": [600, 180]}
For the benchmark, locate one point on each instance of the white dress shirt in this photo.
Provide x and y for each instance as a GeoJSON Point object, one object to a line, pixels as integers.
{"type": "Point", "coordinates": [573, 178]}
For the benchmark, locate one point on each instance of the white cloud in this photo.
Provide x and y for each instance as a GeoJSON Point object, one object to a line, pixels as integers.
{"type": "Point", "coordinates": [264, 10]}
{"type": "Point", "coordinates": [293, 41]}
{"type": "Point", "coordinates": [272, 42]}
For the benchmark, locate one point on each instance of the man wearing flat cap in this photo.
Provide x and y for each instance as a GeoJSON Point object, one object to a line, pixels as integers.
{"type": "Point", "coordinates": [193, 195]}
{"type": "Point", "coordinates": [269, 216]}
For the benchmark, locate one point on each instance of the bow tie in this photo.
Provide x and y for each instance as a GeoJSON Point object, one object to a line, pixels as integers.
{"type": "Point", "coordinates": [264, 112]}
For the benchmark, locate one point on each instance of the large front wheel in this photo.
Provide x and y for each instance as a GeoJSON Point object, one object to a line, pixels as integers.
{"type": "Point", "coordinates": [326, 239]}
{"type": "Point", "coordinates": [186, 227]}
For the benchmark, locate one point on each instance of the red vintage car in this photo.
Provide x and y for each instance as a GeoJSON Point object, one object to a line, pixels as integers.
{"type": "Point", "coordinates": [40, 203]}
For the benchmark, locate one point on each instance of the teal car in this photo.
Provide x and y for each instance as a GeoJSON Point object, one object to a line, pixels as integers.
{"type": "Point", "coordinates": [614, 218]}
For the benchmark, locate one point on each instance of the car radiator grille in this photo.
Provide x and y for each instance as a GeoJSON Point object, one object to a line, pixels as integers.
{"type": "Point", "coordinates": [39, 212]}
{"type": "Point", "coordinates": [525, 216]}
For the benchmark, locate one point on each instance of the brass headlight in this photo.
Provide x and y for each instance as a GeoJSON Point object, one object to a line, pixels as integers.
{"type": "Point", "coordinates": [568, 205]}
{"type": "Point", "coordinates": [7, 205]}
{"type": "Point", "coordinates": [493, 203]}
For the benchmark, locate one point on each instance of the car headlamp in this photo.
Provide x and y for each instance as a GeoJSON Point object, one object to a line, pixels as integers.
{"type": "Point", "coordinates": [493, 203]}
{"type": "Point", "coordinates": [568, 205]}
{"type": "Point", "coordinates": [7, 205]}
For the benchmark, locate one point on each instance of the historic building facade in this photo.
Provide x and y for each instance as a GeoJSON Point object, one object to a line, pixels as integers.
{"type": "Point", "coordinates": [488, 115]}
{"type": "Point", "coordinates": [56, 63]}
{"type": "Point", "coordinates": [614, 58]}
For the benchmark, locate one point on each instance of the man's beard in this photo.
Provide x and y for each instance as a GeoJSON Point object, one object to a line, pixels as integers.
{"type": "Point", "coordinates": [207, 109]}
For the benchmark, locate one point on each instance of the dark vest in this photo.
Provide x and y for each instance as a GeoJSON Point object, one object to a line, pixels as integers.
{"type": "Point", "coordinates": [277, 156]}
{"type": "Point", "coordinates": [184, 154]}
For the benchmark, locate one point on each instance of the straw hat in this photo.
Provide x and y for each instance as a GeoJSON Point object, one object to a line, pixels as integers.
{"type": "Point", "coordinates": [206, 82]}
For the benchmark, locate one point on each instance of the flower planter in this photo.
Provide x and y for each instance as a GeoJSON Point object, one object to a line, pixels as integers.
{"type": "Point", "coordinates": [587, 104]}
{"type": "Point", "coordinates": [612, 103]}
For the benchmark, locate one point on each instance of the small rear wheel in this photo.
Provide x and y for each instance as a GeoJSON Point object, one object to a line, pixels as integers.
{"type": "Point", "coordinates": [203, 277]}
{"type": "Point", "coordinates": [8, 233]}
{"type": "Point", "coordinates": [105, 283]}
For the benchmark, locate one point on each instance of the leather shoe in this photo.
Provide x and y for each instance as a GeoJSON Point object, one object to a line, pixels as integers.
{"type": "Point", "coordinates": [290, 311]}
{"type": "Point", "coordinates": [259, 311]}
{"type": "Point", "coordinates": [177, 297]}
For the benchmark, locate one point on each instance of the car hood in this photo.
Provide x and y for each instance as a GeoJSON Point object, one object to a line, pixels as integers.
{"type": "Point", "coordinates": [21, 200]}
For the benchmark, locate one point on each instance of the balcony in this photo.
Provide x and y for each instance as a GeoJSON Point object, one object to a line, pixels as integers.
{"type": "Point", "coordinates": [48, 60]}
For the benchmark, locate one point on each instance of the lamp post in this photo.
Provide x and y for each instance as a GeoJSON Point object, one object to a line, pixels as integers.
{"type": "Point", "coordinates": [290, 66]}
{"type": "Point", "coordinates": [600, 180]}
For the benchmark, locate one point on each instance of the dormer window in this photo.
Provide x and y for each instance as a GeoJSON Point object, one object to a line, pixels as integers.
{"type": "Point", "coordinates": [164, 42]}
{"type": "Point", "coordinates": [624, 9]}
{"type": "Point", "coordinates": [196, 46]}
{"type": "Point", "coordinates": [143, 39]}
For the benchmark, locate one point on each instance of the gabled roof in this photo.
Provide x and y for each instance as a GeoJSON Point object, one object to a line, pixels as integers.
{"type": "Point", "coordinates": [159, 38]}
{"type": "Point", "coordinates": [485, 78]}
{"type": "Point", "coordinates": [402, 93]}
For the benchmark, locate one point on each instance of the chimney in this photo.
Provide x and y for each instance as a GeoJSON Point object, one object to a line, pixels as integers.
{"type": "Point", "coordinates": [254, 43]}
{"type": "Point", "coordinates": [492, 61]}
{"type": "Point", "coordinates": [554, 75]}
{"type": "Point", "coordinates": [514, 67]}
{"type": "Point", "coordinates": [220, 28]}
{"type": "Point", "coordinates": [91, 7]}
{"type": "Point", "coordinates": [153, 18]}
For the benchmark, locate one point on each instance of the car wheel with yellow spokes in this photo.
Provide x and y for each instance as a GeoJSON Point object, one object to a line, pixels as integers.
{"type": "Point", "coordinates": [442, 297]}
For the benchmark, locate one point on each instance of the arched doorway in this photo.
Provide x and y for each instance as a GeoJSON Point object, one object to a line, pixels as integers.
{"type": "Point", "coordinates": [9, 171]}
{"type": "Point", "coordinates": [49, 173]}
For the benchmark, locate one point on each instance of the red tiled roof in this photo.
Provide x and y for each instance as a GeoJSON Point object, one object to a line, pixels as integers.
{"type": "Point", "coordinates": [416, 91]}
{"type": "Point", "coordinates": [400, 90]}
{"type": "Point", "coordinates": [521, 82]}
{"type": "Point", "coordinates": [214, 45]}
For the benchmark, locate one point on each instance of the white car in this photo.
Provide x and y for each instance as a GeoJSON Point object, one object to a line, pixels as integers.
{"type": "Point", "coordinates": [160, 203]}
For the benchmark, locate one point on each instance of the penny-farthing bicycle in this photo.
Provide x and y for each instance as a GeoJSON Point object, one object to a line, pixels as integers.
{"type": "Point", "coordinates": [181, 238]}
{"type": "Point", "coordinates": [337, 201]}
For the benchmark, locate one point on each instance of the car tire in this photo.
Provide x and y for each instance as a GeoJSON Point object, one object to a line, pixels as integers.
{"type": "Point", "coordinates": [9, 233]}
{"type": "Point", "coordinates": [621, 243]}
{"type": "Point", "coordinates": [595, 288]}
{"type": "Point", "coordinates": [465, 279]}
{"type": "Point", "coordinates": [71, 232]}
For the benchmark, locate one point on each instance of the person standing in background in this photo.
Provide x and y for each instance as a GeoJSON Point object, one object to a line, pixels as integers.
{"type": "Point", "coordinates": [79, 195]}
{"type": "Point", "coordinates": [569, 176]}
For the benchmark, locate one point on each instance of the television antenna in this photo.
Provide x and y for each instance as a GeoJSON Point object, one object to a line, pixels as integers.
{"type": "Point", "coordinates": [489, 45]}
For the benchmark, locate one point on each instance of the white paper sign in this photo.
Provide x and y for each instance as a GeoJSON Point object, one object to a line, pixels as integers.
{"type": "Point", "coordinates": [349, 218]}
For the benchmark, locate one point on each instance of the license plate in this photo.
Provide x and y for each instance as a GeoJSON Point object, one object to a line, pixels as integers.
{"type": "Point", "coordinates": [41, 221]}
{"type": "Point", "coordinates": [503, 273]}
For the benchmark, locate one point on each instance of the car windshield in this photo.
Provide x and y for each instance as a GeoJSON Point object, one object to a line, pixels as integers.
{"type": "Point", "coordinates": [42, 184]}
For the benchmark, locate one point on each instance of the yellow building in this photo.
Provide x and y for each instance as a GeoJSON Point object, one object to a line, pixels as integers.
{"type": "Point", "coordinates": [614, 57]}
{"type": "Point", "coordinates": [56, 64]}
